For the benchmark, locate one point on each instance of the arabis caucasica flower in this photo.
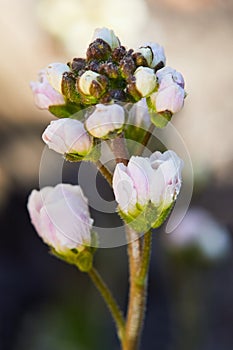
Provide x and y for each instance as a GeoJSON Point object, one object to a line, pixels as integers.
{"type": "Point", "coordinates": [61, 217]}
{"type": "Point", "coordinates": [105, 120]}
{"type": "Point", "coordinates": [44, 94]}
{"type": "Point", "coordinates": [154, 54]}
{"type": "Point", "coordinates": [108, 36]}
{"type": "Point", "coordinates": [68, 136]}
{"type": "Point", "coordinates": [54, 73]}
{"type": "Point", "coordinates": [145, 80]}
{"type": "Point", "coordinates": [146, 188]}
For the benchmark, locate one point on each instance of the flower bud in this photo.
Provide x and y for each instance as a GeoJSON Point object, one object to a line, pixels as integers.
{"type": "Point", "coordinates": [92, 84]}
{"type": "Point", "coordinates": [146, 188]}
{"type": "Point", "coordinates": [158, 55]}
{"type": "Point", "coordinates": [44, 94]}
{"type": "Point", "coordinates": [139, 115]}
{"type": "Point", "coordinates": [68, 136]}
{"type": "Point", "coordinates": [108, 36]}
{"type": "Point", "coordinates": [105, 119]}
{"type": "Point", "coordinates": [145, 80]}
{"type": "Point", "coordinates": [61, 217]}
{"type": "Point", "coordinates": [169, 98]}
{"type": "Point", "coordinates": [168, 71]}
{"type": "Point", "coordinates": [54, 73]}
{"type": "Point", "coordinates": [143, 56]}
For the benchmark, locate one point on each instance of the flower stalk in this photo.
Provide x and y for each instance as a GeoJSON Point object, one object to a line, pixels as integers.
{"type": "Point", "coordinates": [110, 302]}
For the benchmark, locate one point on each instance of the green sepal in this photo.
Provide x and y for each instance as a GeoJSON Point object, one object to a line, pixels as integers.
{"type": "Point", "coordinates": [65, 111]}
{"type": "Point", "coordinates": [149, 216]}
{"type": "Point", "coordinates": [159, 119]}
{"type": "Point", "coordinates": [81, 257]}
{"type": "Point", "coordinates": [92, 156]}
{"type": "Point", "coordinates": [163, 216]}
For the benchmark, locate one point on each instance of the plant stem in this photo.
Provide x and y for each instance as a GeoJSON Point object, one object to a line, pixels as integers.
{"type": "Point", "coordinates": [119, 149]}
{"type": "Point", "coordinates": [110, 302]}
{"type": "Point", "coordinates": [104, 171]}
{"type": "Point", "coordinates": [139, 258]}
{"type": "Point", "coordinates": [146, 139]}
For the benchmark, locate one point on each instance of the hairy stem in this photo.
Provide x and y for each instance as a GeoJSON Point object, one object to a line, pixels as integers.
{"type": "Point", "coordinates": [139, 257]}
{"type": "Point", "coordinates": [110, 302]}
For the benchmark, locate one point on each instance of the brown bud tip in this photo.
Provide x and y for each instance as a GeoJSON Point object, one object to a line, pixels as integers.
{"type": "Point", "coordinates": [139, 59]}
{"type": "Point", "coordinates": [98, 50]}
{"type": "Point", "coordinates": [127, 66]}
{"type": "Point", "coordinates": [118, 53]}
{"type": "Point", "coordinates": [77, 65]}
{"type": "Point", "coordinates": [110, 69]}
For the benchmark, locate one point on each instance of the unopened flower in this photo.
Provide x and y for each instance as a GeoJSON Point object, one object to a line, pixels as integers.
{"type": "Point", "coordinates": [139, 115]}
{"type": "Point", "coordinates": [170, 72]}
{"type": "Point", "coordinates": [44, 94]}
{"type": "Point", "coordinates": [54, 73]}
{"type": "Point", "coordinates": [168, 98]}
{"type": "Point", "coordinates": [61, 217]}
{"type": "Point", "coordinates": [108, 36]}
{"type": "Point", "coordinates": [92, 84]}
{"type": "Point", "coordinates": [158, 56]}
{"type": "Point", "coordinates": [146, 188]}
{"type": "Point", "coordinates": [68, 136]}
{"type": "Point", "coordinates": [143, 56]}
{"type": "Point", "coordinates": [105, 119]}
{"type": "Point", "coordinates": [145, 80]}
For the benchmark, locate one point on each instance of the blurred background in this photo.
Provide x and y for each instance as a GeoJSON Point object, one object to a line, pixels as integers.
{"type": "Point", "coordinates": [45, 304]}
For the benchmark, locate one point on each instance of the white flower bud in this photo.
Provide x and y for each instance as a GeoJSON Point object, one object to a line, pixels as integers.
{"type": "Point", "coordinates": [54, 73]}
{"type": "Point", "coordinates": [61, 217]}
{"type": "Point", "coordinates": [86, 80]}
{"type": "Point", "coordinates": [105, 119]}
{"type": "Point", "coordinates": [67, 136]}
{"type": "Point", "coordinates": [108, 36]}
{"type": "Point", "coordinates": [147, 54]}
{"type": "Point", "coordinates": [168, 71]}
{"type": "Point", "coordinates": [145, 80]}
{"type": "Point", "coordinates": [158, 55]}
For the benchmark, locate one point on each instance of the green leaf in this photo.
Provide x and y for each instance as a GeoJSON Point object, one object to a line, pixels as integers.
{"type": "Point", "coordinates": [65, 111]}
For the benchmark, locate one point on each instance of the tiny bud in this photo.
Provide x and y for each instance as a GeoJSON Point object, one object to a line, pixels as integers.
{"type": "Point", "coordinates": [108, 36]}
{"type": "Point", "coordinates": [158, 55]}
{"type": "Point", "coordinates": [170, 72]}
{"type": "Point", "coordinates": [118, 53]}
{"type": "Point", "coordinates": [54, 73]}
{"type": "Point", "coordinates": [90, 83]}
{"type": "Point", "coordinates": [127, 67]}
{"type": "Point", "coordinates": [98, 50]}
{"type": "Point", "coordinates": [110, 69]}
{"type": "Point", "coordinates": [145, 80]}
{"type": "Point", "coordinates": [69, 88]}
{"type": "Point", "coordinates": [77, 65]}
{"type": "Point", "coordinates": [105, 119]}
{"type": "Point", "coordinates": [143, 56]}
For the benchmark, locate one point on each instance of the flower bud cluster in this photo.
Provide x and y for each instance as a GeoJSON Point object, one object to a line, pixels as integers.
{"type": "Point", "coordinates": [102, 82]}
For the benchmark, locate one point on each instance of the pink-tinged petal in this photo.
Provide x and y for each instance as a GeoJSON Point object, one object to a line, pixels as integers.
{"type": "Point", "coordinates": [139, 170]}
{"type": "Point", "coordinates": [169, 99]}
{"type": "Point", "coordinates": [123, 187]}
{"type": "Point", "coordinates": [61, 216]}
{"type": "Point", "coordinates": [105, 119]}
{"type": "Point", "coordinates": [176, 77]}
{"type": "Point", "coordinates": [44, 94]}
{"type": "Point", "coordinates": [67, 136]}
